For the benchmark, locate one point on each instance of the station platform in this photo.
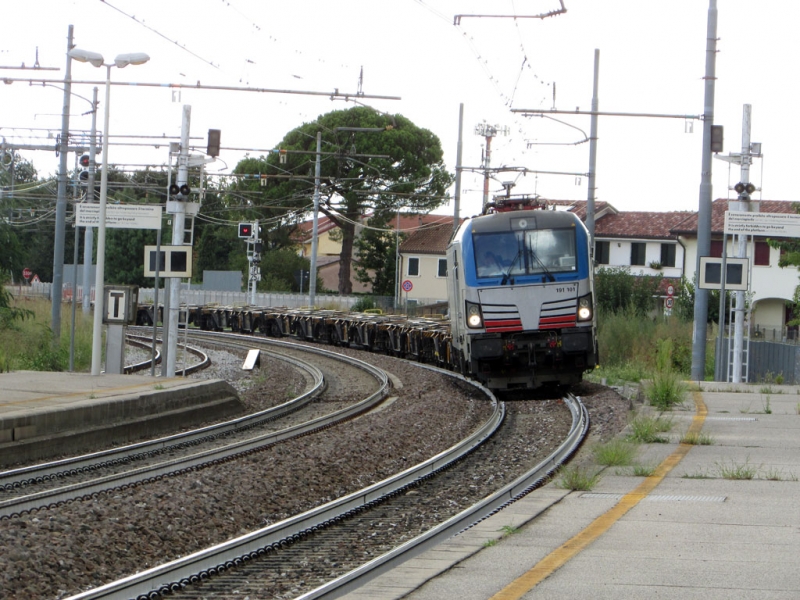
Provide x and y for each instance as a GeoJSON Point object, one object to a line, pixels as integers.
{"type": "Point", "coordinates": [44, 414]}
{"type": "Point", "coordinates": [697, 528]}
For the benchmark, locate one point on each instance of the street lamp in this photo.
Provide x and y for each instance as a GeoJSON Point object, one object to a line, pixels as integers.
{"type": "Point", "coordinates": [121, 61]}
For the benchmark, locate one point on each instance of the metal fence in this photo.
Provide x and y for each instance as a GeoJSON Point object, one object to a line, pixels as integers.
{"type": "Point", "coordinates": [771, 362]}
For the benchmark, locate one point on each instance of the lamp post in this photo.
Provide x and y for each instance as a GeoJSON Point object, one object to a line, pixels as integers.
{"type": "Point", "coordinates": [121, 61]}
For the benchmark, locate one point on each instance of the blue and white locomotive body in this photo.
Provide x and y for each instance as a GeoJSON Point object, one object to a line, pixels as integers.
{"type": "Point", "coordinates": [521, 298]}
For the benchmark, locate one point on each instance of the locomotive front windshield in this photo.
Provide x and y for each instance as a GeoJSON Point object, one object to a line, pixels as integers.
{"type": "Point", "coordinates": [529, 252]}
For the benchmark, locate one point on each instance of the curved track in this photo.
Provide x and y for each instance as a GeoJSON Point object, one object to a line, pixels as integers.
{"type": "Point", "coordinates": [293, 547]}
{"type": "Point", "coordinates": [49, 484]}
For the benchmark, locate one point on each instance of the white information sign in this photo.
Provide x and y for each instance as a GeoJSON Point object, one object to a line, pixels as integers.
{"type": "Point", "coordinates": [121, 216]}
{"type": "Point", "coordinates": [766, 224]}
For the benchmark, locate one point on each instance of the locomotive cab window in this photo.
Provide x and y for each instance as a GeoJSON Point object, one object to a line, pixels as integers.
{"type": "Point", "coordinates": [527, 252]}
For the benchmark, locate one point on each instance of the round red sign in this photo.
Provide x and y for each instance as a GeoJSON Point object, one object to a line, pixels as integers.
{"type": "Point", "coordinates": [407, 285]}
{"type": "Point", "coordinates": [26, 273]}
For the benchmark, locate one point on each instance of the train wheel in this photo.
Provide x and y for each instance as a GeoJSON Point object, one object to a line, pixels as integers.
{"type": "Point", "coordinates": [274, 329]}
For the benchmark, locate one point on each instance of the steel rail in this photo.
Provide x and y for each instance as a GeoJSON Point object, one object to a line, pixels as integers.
{"type": "Point", "coordinates": [161, 579]}
{"type": "Point", "coordinates": [467, 518]}
{"type": "Point", "coordinates": [52, 469]}
{"type": "Point", "coordinates": [85, 490]}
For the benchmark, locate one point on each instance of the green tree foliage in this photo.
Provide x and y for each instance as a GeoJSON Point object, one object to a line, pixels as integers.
{"type": "Point", "coordinates": [377, 251]}
{"type": "Point", "coordinates": [8, 312]}
{"type": "Point", "coordinates": [396, 164]}
{"type": "Point", "coordinates": [24, 213]}
{"type": "Point", "coordinates": [278, 270]}
{"type": "Point", "coordinates": [684, 301]}
{"type": "Point", "coordinates": [617, 291]}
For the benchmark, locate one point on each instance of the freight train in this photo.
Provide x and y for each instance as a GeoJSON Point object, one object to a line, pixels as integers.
{"type": "Point", "coordinates": [521, 305]}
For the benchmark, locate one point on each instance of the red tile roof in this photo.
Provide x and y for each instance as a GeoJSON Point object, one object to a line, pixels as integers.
{"type": "Point", "coordinates": [428, 240]}
{"type": "Point", "coordinates": [645, 225]}
{"type": "Point", "coordinates": [408, 223]}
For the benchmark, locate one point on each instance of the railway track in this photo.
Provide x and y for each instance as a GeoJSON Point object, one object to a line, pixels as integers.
{"type": "Point", "coordinates": [418, 510]}
{"type": "Point", "coordinates": [379, 527]}
{"type": "Point", "coordinates": [50, 484]}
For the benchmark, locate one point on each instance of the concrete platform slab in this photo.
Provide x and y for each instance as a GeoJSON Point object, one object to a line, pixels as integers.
{"type": "Point", "coordinates": [45, 414]}
{"type": "Point", "coordinates": [697, 535]}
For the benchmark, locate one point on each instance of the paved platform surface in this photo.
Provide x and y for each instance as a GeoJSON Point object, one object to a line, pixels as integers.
{"type": "Point", "coordinates": [75, 408]}
{"type": "Point", "coordinates": [688, 531]}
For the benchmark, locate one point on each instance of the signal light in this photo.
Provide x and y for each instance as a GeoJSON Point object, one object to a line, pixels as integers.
{"type": "Point", "coordinates": [245, 230]}
{"type": "Point", "coordinates": [182, 192]}
{"type": "Point", "coordinates": [744, 188]}
{"type": "Point", "coordinates": [84, 162]}
{"type": "Point", "coordinates": [717, 136]}
{"type": "Point", "coordinates": [212, 148]}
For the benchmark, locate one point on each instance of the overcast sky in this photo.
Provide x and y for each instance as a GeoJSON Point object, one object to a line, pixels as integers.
{"type": "Point", "coordinates": [652, 60]}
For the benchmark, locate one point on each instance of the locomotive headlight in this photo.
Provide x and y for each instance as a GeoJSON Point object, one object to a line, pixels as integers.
{"type": "Point", "coordinates": [585, 308]}
{"type": "Point", "coordinates": [474, 316]}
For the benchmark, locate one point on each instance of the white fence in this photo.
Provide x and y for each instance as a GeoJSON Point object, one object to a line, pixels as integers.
{"type": "Point", "coordinates": [204, 297]}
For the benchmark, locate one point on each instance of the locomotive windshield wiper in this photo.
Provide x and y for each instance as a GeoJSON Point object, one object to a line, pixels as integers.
{"type": "Point", "coordinates": [547, 273]}
{"type": "Point", "coordinates": [507, 274]}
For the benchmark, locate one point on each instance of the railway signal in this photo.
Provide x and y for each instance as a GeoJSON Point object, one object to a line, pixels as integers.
{"type": "Point", "coordinates": [245, 230]}
{"type": "Point", "coordinates": [84, 162]}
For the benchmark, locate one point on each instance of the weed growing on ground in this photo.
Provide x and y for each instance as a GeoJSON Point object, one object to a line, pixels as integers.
{"type": "Point", "coordinates": [644, 470]}
{"type": "Point", "coordinates": [736, 471]}
{"type": "Point", "coordinates": [696, 475]}
{"type": "Point", "coordinates": [489, 543]}
{"type": "Point", "coordinates": [615, 453]}
{"type": "Point", "coordinates": [666, 388]}
{"type": "Point", "coordinates": [776, 474]}
{"type": "Point", "coordinates": [577, 479]}
{"type": "Point", "coordinates": [645, 429]}
{"type": "Point", "coordinates": [767, 409]}
{"type": "Point", "coordinates": [509, 530]}
{"type": "Point", "coordinates": [638, 470]}
{"type": "Point", "coordinates": [697, 439]}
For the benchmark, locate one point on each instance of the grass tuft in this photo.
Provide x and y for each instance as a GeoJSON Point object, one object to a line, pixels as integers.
{"type": "Point", "coordinates": [615, 453]}
{"type": "Point", "coordinates": [577, 479]}
{"type": "Point", "coordinates": [736, 471]}
{"type": "Point", "coordinates": [646, 430]}
{"type": "Point", "coordinates": [697, 439]}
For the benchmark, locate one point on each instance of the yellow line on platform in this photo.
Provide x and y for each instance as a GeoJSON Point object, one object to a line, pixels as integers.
{"type": "Point", "coordinates": [560, 556]}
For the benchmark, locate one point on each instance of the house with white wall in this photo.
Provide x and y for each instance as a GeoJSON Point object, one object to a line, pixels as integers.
{"type": "Point", "coordinates": [647, 243]}
{"type": "Point", "coordinates": [329, 244]}
{"type": "Point", "coordinates": [771, 286]}
{"type": "Point", "coordinates": [423, 264]}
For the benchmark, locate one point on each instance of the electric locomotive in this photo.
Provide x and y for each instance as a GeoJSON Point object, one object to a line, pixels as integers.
{"type": "Point", "coordinates": [521, 295]}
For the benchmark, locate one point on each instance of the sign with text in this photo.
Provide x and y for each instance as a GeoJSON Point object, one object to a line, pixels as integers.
{"type": "Point", "coordinates": [766, 224]}
{"type": "Point", "coordinates": [120, 216]}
